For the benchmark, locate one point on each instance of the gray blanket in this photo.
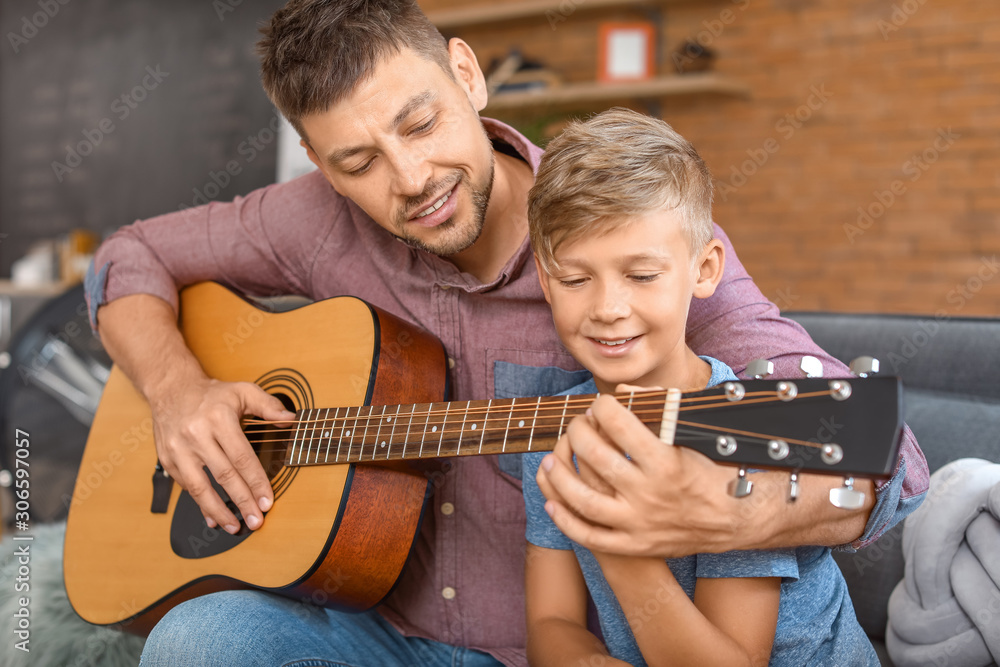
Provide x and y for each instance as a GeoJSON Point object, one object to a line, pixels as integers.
{"type": "Point", "coordinates": [946, 610]}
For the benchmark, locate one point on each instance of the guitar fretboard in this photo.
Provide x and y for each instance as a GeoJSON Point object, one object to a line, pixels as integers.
{"type": "Point", "coordinates": [431, 430]}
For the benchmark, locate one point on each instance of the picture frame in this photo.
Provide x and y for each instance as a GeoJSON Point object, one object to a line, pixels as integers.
{"type": "Point", "coordinates": [625, 51]}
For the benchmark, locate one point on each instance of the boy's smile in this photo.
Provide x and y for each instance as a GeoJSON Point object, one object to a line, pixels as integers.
{"type": "Point", "coordinates": [620, 300]}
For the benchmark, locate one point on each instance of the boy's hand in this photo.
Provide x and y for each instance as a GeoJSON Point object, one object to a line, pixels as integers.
{"type": "Point", "coordinates": [664, 501]}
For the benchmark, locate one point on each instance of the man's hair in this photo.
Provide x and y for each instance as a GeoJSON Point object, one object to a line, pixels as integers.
{"type": "Point", "coordinates": [315, 52]}
{"type": "Point", "coordinates": [617, 165]}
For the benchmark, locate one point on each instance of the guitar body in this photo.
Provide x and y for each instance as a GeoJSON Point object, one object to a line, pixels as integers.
{"type": "Point", "coordinates": [337, 535]}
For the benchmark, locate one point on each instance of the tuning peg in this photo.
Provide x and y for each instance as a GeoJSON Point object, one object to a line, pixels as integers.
{"type": "Point", "coordinates": [759, 369]}
{"type": "Point", "coordinates": [864, 366]}
{"type": "Point", "coordinates": [847, 497]}
{"type": "Point", "coordinates": [793, 487]}
{"type": "Point", "coordinates": [811, 366]}
{"type": "Point", "coordinates": [741, 486]}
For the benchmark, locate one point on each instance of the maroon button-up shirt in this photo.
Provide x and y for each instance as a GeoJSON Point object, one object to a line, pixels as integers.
{"type": "Point", "coordinates": [464, 584]}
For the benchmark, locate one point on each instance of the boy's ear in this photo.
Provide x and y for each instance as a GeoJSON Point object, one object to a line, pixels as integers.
{"type": "Point", "coordinates": [709, 267]}
{"type": "Point", "coordinates": [543, 276]}
{"type": "Point", "coordinates": [468, 73]}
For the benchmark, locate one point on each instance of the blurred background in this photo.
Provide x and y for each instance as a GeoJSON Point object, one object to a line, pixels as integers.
{"type": "Point", "coordinates": [855, 144]}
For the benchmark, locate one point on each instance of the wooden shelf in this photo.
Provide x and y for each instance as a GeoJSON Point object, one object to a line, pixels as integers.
{"type": "Point", "coordinates": [578, 93]}
{"type": "Point", "coordinates": [509, 11]}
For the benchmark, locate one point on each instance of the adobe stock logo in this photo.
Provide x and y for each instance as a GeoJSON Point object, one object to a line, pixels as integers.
{"type": "Point", "coordinates": [122, 107]}
{"type": "Point", "coordinates": [38, 20]}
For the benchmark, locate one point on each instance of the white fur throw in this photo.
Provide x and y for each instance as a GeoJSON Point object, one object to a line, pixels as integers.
{"type": "Point", "coordinates": [56, 636]}
{"type": "Point", "coordinates": [946, 610]}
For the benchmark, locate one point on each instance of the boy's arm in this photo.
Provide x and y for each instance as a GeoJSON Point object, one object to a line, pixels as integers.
{"type": "Point", "coordinates": [731, 621]}
{"type": "Point", "coordinates": [556, 605]}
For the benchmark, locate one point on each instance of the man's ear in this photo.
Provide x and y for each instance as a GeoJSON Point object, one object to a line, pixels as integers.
{"type": "Point", "coordinates": [543, 278]}
{"type": "Point", "coordinates": [709, 266]}
{"type": "Point", "coordinates": [316, 161]}
{"type": "Point", "coordinates": [468, 74]}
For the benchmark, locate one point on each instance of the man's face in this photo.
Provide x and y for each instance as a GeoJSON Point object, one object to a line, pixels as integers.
{"type": "Point", "coordinates": [407, 147]}
{"type": "Point", "coordinates": [620, 299]}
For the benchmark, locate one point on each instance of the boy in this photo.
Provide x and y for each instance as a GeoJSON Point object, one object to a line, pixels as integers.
{"type": "Point", "coordinates": [620, 223]}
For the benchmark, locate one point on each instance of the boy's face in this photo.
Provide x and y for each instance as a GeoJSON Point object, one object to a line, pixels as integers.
{"type": "Point", "coordinates": [407, 147]}
{"type": "Point", "coordinates": [620, 299]}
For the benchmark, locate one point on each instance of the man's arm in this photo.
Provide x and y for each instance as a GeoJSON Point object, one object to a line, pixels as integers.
{"type": "Point", "coordinates": [195, 418]}
{"type": "Point", "coordinates": [132, 290]}
{"type": "Point", "coordinates": [672, 501]}
{"type": "Point", "coordinates": [738, 324]}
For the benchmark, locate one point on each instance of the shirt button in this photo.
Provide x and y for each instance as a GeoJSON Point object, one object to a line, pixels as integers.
{"type": "Point", "coordinates": [448, 593]}
{"type": "Point", "coordinates": [447, 509]}
{"type": "Point", "coordinates": [451, 362]}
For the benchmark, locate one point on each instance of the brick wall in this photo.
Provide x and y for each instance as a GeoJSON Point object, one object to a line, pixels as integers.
{"type": "Point", "coordinates": [863, 173]}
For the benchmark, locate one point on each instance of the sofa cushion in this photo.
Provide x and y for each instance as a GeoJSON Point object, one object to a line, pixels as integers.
{"type": "Point", "coordinates": [951, 401]}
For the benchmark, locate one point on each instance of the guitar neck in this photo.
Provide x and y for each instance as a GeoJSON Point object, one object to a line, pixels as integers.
{"type": "Point", "coordinates": [433, 430]}
{"type": "Point", "coordinates": [848, 427]}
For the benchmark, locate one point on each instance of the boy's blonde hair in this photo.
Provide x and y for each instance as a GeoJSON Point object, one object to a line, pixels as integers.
{"type": "Point", "coordinates": [616, 165]}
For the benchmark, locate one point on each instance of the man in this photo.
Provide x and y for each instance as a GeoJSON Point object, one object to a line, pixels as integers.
{"type": "Point", "coordinates": [419, 207]}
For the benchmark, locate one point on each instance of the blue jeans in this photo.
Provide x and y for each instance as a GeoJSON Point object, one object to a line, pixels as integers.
{"type": "Point", "coordinates": [257, 628]}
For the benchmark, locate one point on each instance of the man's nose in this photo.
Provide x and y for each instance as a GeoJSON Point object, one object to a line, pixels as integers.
{"type": "Point", "coordinates": [411, 174]}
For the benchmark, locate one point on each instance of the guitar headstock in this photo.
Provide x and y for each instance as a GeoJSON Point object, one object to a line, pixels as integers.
{"type": "Point", "coordinates": [849, 427]}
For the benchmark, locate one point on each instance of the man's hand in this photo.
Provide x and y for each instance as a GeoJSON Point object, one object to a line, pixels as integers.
{"type": "Point", "coordinates": [200, 427]}
{"type": "Point", "coordinates": [196, 420]}
{"type": "Point", "coordinates": [659, 500]}
{"type": "Point", "coordinates": [634, 495]}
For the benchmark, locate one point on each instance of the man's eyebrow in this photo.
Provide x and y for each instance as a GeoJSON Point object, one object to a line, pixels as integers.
{"type": "Point", "coordinates": [411, 105]}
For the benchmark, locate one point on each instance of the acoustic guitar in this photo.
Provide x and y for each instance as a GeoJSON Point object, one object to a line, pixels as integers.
{"type": "Point", "coordinates": [368, 391]}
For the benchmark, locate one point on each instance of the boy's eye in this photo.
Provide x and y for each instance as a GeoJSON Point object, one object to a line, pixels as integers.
{"type": "Point", "coordinates": [571, 282]}
{"type": "Point", "coordinates": [644, 277]}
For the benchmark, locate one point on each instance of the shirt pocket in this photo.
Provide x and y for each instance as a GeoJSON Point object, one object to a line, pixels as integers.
{"type": "Point", "coordinates": [521, 374]}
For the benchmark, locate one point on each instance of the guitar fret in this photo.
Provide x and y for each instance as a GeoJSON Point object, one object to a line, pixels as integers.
{"type": "Point", "coordinates": [423, 435]}
{"type": "Point", "coordinates": [486, 423]}
{"type": "Point", "coordinates": [378, 430]}
{"type": "Point", "coordinates": [447, 406]}
{"type": "Point", "coordinates": [343, 429]}
{"type": "Point", "coordinates": [562, 419]}
{"type": "Point", "coordinates": [531, 434]}
{"type": "Point", "coordinates": [510, 415]}
{"type": "Point", "coordinates": [317, 437]}
{"type": "Point", "coordinates": [364, 436]}
{"type": "Point", "coordinates": [329, 434]}
{"type": "Point", "coordinates": [293, 454]}
{"type": "Point", "coordinates": [305, 434]}
{"type": "Point", "coordinates": [388, 450]}
{"type": "Point", "coordinates": [461, 432]}
{"type": "Point", "coordinates": [361, 447]}
{"type": "Point", "coordinates": [406, 438]}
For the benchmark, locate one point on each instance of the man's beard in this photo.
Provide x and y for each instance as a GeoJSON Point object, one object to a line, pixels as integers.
{"type": "Point", "coordinates": [452, 237]}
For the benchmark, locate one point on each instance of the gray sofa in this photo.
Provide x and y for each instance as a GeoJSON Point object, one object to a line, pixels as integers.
{"type": "Point", "coordinates": [951, 397]}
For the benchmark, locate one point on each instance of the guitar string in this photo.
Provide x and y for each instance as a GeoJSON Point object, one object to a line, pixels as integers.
{"type": "Point", "coordinates": [459, 432]}
{"type": "Point", "coordinates": [698, 431]}
{"type": "Point", "coordinates": [556, 404]}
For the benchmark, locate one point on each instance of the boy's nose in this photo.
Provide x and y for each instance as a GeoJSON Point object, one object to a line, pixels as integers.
{"type": "Point", "coordinates": [612, 304]}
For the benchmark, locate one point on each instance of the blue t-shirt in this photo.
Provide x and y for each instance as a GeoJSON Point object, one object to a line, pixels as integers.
{"type": "Point", "coordinates": [816, 620]}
